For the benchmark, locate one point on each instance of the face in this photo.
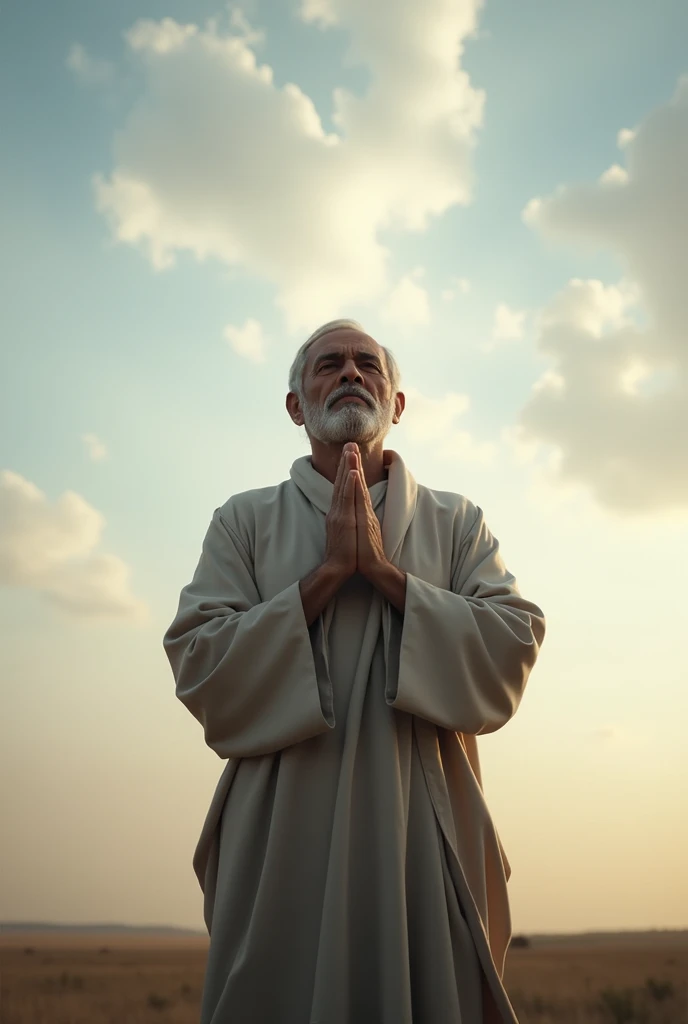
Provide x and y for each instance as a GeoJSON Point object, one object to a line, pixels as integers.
{"type": "Point", "coordinates": [347, 394]}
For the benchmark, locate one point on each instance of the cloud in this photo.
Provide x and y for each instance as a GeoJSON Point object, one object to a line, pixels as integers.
{"type": "Point", "coordinates": [461, 286]}
{"type": "Point", "coordinates": [625, 136]}
{"type": "Point", "coordinates": [509, 324]}
{"type": "Point", "coordinates": [50, 549]}
{"type": "Point", "coordinates": [89, 70]}
{"type": "Point", "coordinates": [607, 734]}
{"type": "Point", "coordinates": [247, 341]}
{"type": "Point", "coordinates": [431, 423]}
{"type": "Point", "coordinates": [618, 413]}
{"type": "Point", "coordinates": [215, 159]}
{"type": "Point", "coordinates": [408, 304]}
{"type": "Point", "coordinates": [616, 737]}
{"type": "Point", "coordinates": [95, 447]}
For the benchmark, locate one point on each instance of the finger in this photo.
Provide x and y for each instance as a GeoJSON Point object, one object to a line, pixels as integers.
{"type": "Point", "coordinates": [365, 492]}
{"type": "Point", "coordinates": [340, 477]}
{"type": "Point", "coordinates": [361, 509]}
{"type": "Point", "coordinates": [356, 455]}
{"type": "Point", "coordinates": [349, 493]}
{"type": "Point", "coordinates": [358, 495]}
{"type": "Point", "coordinates": [337, 483]}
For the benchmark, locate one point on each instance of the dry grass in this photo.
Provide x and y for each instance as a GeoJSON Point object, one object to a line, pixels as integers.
{"type": "Point", "coordinates": [131, 980]}
{"type": "Point", "coordinates": [603, 985]}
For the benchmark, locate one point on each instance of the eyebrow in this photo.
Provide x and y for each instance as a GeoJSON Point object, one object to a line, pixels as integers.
{"type": "Point", "coordinates": [339, 355]}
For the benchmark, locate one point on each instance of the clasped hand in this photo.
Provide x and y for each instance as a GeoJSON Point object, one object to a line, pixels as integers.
{"type": "Point", "coordinates": [354, 538]}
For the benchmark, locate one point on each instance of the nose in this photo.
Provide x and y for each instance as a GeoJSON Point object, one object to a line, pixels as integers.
{"type": "Point", "coordinates": [350, 373]}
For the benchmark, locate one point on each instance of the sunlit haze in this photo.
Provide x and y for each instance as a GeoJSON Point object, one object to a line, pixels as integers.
{"type": "Point", "coordinates": [499, 194]}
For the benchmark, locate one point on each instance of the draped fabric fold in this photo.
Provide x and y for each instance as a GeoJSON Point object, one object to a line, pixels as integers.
{"type": "Point", "coordinates": [348, 840]}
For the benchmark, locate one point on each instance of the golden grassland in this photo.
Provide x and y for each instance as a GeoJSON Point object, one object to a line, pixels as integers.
{"type": "Point", "coordinates": [58, 978]}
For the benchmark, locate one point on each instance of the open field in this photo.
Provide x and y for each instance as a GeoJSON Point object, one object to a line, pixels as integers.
{"type": "Point", "coordinates": [63, 978]}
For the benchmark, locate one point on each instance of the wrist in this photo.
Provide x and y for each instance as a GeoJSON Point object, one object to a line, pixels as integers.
{"type": "Point", "coordinates": [376, 572]}
{"type": "Point", "coordinates": [334, 573]}
{"type": "Point", "coordinates": [390, 582]}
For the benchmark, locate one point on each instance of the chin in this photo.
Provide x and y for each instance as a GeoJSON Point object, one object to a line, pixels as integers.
{"type": "Point", "coordinates": [353, 423]}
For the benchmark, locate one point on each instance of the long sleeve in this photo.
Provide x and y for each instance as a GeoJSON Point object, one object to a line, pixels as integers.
{"type": "Point", "coordinates": [461, 658]}
{"type": "Point", "coordinates": [250, 671]}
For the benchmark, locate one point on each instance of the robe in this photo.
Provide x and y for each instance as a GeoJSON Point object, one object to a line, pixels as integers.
{"type": "Point", "coordinates": [350, 867]}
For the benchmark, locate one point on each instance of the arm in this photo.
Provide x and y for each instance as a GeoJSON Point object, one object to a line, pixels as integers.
{"type": "Point", "coordinates": [250, 671]}
{"type": "Point", "coordinates": [461, 658]}
{"type": "Point", "coordinates": [317, 590]}
{"type": "Point", "coordinates": [391, 582]}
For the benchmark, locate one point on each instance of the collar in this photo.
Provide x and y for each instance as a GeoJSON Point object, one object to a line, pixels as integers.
{"type": "Point", "coordinates": [400, 489]}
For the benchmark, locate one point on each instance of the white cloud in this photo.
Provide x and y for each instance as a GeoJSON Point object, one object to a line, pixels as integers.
{"type": "Point", "coordinates": [620, 420]}
{"type": "Point", "coordinates": [215, 159]}
{"type": "Point", "coordinates": [616, 737]}
{"type": "Point", "coordinates": [590, 307]}
{"type": "Point", "coordinates": [95, 447]}
{"type": "Point", "coordinates": [247, 341]}
{"type": "Point", "coordinates": [50, 549]}
{"type": "Point", "coordinates": [159, 37]}
{"type": "Point", "coordinates": [522, 450]}
{"type": "Point", "coordinates": [625, 136]}
{"type": "Point", "coordinates": [508, 323]}
{"type": "Point", "coordinates": [90, 70]}
{"type": "Point", "coordinates": [550, 380]}
{"type": "Point", "coordinates": [408, 304]}
{"type": "Point", "coordinates": [614, 175]}
{"type": "Point", "coordinates": [321, 12]}
{"type": "Point", "coordinates": [607, 734]}
{"type": "Point", "coordinates": [431, 423]}
{"type": "Point", "coordinates": [240, 23]}
{"type": "Point", "coordinates": [461, 286]}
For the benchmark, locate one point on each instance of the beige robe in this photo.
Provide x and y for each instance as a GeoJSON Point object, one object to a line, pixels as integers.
{"type": "Point", "coordinates": [350, 867]}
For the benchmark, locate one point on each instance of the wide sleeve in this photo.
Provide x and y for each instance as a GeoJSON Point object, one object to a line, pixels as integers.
{"type": "Point", "coordinates": [461, 658]}
{"type": "Point", "coordinates": [251, 671]}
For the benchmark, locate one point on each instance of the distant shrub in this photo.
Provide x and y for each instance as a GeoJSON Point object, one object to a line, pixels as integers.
{"type": "Point", "coordinates": [60, 983]}
{"type": "Point", "coordinates": [157, 1002]}
{"type": "Point", "coordinates": [619, 1006]}
{"type": "Point", "coordinates": [520, 942]}
{"type": "Point", "coordinates": [659, 990]}
{"type": "Point", "coordinates": [104, 949]}
{"type": "Point", "coordinates": [68, 980]}
{"type": "Point", "coordinates": [29, 950]}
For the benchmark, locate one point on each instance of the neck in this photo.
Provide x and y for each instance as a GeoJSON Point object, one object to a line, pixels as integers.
{"type": "Point", "coordinates": [326, 458]}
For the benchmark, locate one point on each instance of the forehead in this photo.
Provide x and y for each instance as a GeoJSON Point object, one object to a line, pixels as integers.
{"type": "Point", "coordinates": [346, 340]}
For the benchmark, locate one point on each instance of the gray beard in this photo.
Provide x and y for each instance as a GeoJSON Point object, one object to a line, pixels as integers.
{"type": "Point", "coordinates": [352, 422]}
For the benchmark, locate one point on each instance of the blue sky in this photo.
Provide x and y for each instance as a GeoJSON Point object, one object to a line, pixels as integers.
{"type": "Point", "coordinates": [98, 341]}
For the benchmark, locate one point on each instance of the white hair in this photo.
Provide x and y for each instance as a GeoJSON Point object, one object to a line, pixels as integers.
{"type": "Point", "coordinates": [299, 364]}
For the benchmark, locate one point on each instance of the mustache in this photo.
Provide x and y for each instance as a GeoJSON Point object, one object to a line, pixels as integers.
{"type": "Point", "coordinates": [350, 389]}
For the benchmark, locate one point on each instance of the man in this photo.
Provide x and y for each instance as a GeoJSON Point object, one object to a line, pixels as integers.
{"type": "Point", "coordinates": [346, 636]}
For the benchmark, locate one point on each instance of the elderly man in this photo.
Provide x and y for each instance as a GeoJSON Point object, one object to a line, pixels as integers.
{"type": "Point", "coordinates": [346, 636]}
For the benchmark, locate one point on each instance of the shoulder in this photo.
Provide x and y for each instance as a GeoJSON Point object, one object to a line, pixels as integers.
{"type": "Point", "coordinates": [453, 510]}
{"type": "Point", "coordinates": [246, 506]}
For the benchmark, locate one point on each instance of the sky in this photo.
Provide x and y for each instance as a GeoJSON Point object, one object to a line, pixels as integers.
{"type": "Point", "coordinates": [499, 193]}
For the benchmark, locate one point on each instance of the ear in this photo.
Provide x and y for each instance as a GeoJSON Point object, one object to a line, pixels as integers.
{"type": "Point", "coordinates": [294, 408]}
{"type": "Point", "coordinates": [399, 406]}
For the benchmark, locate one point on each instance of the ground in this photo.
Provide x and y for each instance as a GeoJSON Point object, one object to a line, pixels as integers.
{"type": "Point", "coordinates": [123, 979]}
